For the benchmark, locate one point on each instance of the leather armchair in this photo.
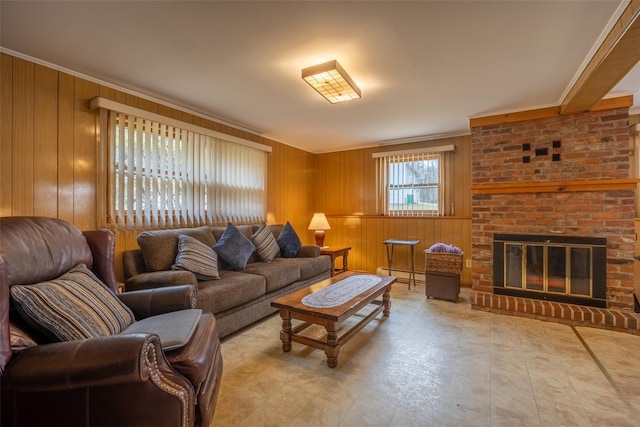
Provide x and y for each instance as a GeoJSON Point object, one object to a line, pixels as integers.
{"type": "Point", "coordinates": [118, 380]}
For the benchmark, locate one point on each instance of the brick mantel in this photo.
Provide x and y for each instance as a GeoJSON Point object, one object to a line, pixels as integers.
{"type": "Point", "coordinates": [559, 174]}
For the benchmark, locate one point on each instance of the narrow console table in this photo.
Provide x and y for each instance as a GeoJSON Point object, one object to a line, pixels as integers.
{"type": "Point", "coordinates": [391, 244]}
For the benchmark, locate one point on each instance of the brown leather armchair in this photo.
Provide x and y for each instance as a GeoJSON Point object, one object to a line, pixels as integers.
{"type": "Point", "coordinates": [117, 380]}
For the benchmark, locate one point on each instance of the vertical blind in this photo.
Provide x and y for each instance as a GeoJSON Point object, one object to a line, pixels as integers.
{"type": "Point", "coordinates": [164, 176]}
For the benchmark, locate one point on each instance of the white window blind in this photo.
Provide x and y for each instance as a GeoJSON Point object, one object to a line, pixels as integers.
{"type": "Point", "coordinates": [410, 183]}
{"type": "Point", "coordinates": [165, 176]}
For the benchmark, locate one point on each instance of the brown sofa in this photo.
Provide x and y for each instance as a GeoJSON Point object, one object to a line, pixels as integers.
{"type": "Point", "coordinates": [237, 298]}
{"type": "Point", "coordinates": [125, 379]}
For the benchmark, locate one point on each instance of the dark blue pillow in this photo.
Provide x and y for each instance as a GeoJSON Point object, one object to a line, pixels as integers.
{"type": "Point", "coordinates": [234, 248]}
{"type": "Point", "coordinates": [289, 242]}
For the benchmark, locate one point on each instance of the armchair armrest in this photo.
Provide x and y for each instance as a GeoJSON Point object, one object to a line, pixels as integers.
{"type": "Point", "coordinates": [150, 302]}
{"type": "Point", "coordinates": [161, 279]}
{"type": "Point", "coordinates": [104, 361]}
{"type": "Point", "coordinates": [309, 251]}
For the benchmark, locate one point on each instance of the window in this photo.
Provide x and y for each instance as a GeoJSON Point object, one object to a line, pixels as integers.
{"type": "Point", "coordinates": [169, 175]}
{"type": "Point", "coordinates": [411, 183]}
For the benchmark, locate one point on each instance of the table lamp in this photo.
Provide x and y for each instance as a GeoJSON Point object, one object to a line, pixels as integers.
{"type": "Point", "coordinates": [319, 223]}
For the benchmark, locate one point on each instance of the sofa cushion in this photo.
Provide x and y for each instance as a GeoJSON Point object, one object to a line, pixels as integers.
{"type": "Point", "coordinates": [231, 290]}
{"type": "Point", "coordinates": [75, 306]}
{"type": "Point", "coordinates": [266, 245]}
{"type": "Point", "coordinates": [160, 247]}
{"type": "Point", "coordinates": [309, 267]}
{"type": "Point", "coordinates": [234, 248]}
{"type": "Point", "coordinates": [289, 241]}
{"type": "Point", "coordinates": [277, 274]}
{"type": "Point", "coordinates": [196, 257]}
{"type": "Point", "coordinates": [174, 328]}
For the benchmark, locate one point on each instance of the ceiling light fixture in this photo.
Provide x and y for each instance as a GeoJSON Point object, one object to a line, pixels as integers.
{"type": "Point", "coordinates": [331, 81]}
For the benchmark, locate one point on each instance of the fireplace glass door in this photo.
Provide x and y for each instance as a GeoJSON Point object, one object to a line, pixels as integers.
{"type": "Point", "coordinates": [581, 271]}
{"type": "Point", "coordinates": [544, 268]}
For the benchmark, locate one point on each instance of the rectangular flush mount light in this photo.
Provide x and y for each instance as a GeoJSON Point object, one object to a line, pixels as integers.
{"type": "Point", "coordinates": [332, 82]}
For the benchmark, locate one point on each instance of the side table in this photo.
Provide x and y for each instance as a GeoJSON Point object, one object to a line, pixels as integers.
{"type": "Point", "coordinates": [335, 252]}
{"type": "Point", "coordinates": [391, 244]}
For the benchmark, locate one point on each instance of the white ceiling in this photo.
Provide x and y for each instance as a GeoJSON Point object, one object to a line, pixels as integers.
{"type": "Point", "coordinates": [424, 67]}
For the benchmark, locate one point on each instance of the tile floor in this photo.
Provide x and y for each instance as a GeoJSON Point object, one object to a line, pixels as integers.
{"type": "Point", "coordinates": [435, 363]}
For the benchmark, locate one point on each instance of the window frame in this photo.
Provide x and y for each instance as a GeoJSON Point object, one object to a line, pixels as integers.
{"type": "Point", "coordinates": [403, 163]}
{"type": "Point", "coordinates": [384, 202]}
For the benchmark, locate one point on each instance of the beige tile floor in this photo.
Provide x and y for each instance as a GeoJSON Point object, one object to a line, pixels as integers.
{"type": "Point", "coordinates": [435, 363]}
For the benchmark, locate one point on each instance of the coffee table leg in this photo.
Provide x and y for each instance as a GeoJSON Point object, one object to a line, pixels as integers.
{"type": "Point", "coordinates": [332, 348]}
{"type": "Point", "coordinates": [386, 301]}
{"type": "Point", "coordinates": [286, 331]}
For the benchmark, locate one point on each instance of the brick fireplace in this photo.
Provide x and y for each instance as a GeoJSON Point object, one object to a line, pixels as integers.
{"type": "Point", "coordinates": [554, 175]}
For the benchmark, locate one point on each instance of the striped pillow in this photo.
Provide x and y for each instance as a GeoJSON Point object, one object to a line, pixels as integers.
{"type": "Point", "coordinates": [196, 257]}
{"type": "Point", "coordinates": [266, 244]}
{"type": "Point", "coordinates": [75, 306]}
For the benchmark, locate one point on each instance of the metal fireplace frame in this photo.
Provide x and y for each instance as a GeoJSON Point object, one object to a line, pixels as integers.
{"type": "Point", "coordinates": [598, 274]}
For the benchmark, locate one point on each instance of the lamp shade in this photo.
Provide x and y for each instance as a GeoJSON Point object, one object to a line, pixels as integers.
{"type": "Point", "coordinates": [319, 222]}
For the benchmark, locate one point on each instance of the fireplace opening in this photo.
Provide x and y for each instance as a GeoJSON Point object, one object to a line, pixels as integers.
{"type": "Point", "coordinates": [555, 268]}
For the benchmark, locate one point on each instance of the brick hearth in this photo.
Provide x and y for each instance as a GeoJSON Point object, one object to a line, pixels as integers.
{"type": "Point", "coordinates": [578, 315]}
{"type": "Point", "coordinates": [564, 175]}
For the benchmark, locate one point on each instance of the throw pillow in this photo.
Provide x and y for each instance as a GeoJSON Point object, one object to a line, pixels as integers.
{"type": "Point", "coordinates": [234, 248]}
{"type": "Point", "coordinates": [196, 257]}
{"type": "Point", "coordinates": [265, 243]}
{"type": "Point", "coordinates": [289, 242]}
{"type": "Point", "coordinates": [75, 306]}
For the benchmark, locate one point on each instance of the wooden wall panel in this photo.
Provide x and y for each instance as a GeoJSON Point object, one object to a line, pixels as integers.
{"type": "Point", "coordinates": [6, 134]}
{"type": "Point", "coordinates": [22, 144]}
{"type": "Point", "coordinates": [45, 159]}
{"type": "Point", "coordinates": [66, 96]}
{"type": "Point", "coordinates": [289, 188]}
{"type": "Point", "coordinates": [84, 155]}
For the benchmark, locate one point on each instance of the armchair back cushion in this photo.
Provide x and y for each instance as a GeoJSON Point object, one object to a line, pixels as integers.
{"type": "Point", "coordinates": [33, 250]}
{"type": "Point", "coordinates": [37, 249]}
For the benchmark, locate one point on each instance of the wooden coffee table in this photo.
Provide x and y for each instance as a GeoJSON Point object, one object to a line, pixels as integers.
{"type": "Point", "coordinates": [291, 307]}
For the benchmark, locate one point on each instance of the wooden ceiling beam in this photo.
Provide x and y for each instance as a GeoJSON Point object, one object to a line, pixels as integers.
{"type": "Point", "coordinates": [616, 56]}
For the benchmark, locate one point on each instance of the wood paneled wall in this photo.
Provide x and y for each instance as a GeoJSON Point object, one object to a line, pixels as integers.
{"type": "Point", "coordinates": [48, 152]}
{"type": "Point", "coordinates": [345, 190]}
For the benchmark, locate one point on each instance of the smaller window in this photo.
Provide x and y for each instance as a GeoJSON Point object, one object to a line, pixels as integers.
{"type": "Point", "coordinates": [411, 183]}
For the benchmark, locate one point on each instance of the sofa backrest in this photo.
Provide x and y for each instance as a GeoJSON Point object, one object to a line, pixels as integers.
{"type": "Point", "coordinates": [158, 248]}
